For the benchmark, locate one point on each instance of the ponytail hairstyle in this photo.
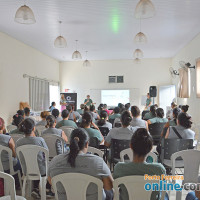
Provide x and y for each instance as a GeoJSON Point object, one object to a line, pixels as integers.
{"type": "Point", "coordinates": [27, 126]}
{"type": "Point", "coordinates": [153, 110]}
{"type": "Point", "coordinates": [103, 117]}
{"type": "Point", "coordinates": [135, 111]}
{"type": "Point", "coordinates": [185, 120]}
{"type": "Point", "coordinates": [141, 142]}
{"type": "Point", "coordinates": [176, 112]}
{"type": "Point", "coordinates": [184, 108]}
{"type": "Point", "coordinates": [52, 104]}
{"type": "Point", "coordinates": [50, 121]}
{"type": "Point", "coordinates": [17, 119]}
{"type": "Point", "coordinates": [2, 124]}
{"type": "Point", "coordinates": [20, 112]}
{"type": "Point", "coordinates": [126, 118]}
{"type": "Point", "coordinates": [55, 112]}
{"type": "Point", "coordinates": [44, 114]}
{"type": "Point", "coordinates": [86, 119]}
{"type": "Point", "coordinates": [160, 113]}
{"type": "Point", "coordinates": [78, 140]}
{"type": "Point", "coordinates": [65, 114]}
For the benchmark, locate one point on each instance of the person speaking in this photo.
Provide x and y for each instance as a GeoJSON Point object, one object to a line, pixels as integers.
{"type": "Point", "coordinates": [88, 101]}
{"type": "Point", "coordinates": [148, 102]}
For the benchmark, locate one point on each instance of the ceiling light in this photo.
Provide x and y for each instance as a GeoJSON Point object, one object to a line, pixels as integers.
{"type": "Point", "coordinates": [137, 61]}
{"type": "Point", "coordinates": [140, 38]}
{"type": "Point", "coordinates": [25, 15]}
{"type": "Point", "coordinates": [86, 63]}
{"type": "Point", "coordinates": [60, 41]}
{"type": "Point", "coordinates": [144, 9]}
{"type": "Point", "coordinates": [138, 53]}
{"type": "Point", "coordinates": [76, 55]}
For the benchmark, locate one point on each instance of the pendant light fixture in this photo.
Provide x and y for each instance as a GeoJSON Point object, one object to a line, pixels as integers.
{"type": "Point", "coordinates": [140, 38]}
{"type": "Point", "coordinates": [76, 55]}
{"type": "Point", "coordinates": [137, 61]}
{"type": "Point", "coordinates": [144, 9]}
{"type": "Point", "coordinates": [25, 15]}
{"type": "Point", "coordinates": [138, 54]}
{"type": "Point", "coordinates": [86, 63]}
{"type": "Point", "coordinates": [60, 41]}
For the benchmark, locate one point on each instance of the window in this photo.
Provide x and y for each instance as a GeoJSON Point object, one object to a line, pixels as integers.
{"type": "Point", "coordinates": [198, 77]}
{"type": "Point", "coordinates": [184, 83]}
{"type": "Point", "coordinates": [54, 92]}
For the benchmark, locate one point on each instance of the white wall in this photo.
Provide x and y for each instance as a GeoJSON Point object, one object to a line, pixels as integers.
{"type": "Point", "coordinates": [189, 54]}
{"type": "Point", "coordinates": [79, 79]}
{"type": "Point", "coordinates": [17, 59]}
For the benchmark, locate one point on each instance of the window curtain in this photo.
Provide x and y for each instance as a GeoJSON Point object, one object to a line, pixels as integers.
{"type": "Point", "coordinates": [38, 94]}
{"type": "Point", "coordinates": [184, 83]}
{"type": "Point", "coordinates": [198, 78]}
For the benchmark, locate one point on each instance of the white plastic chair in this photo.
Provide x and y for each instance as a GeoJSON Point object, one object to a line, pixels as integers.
{"type": "Point", "coordinates": [16, 137]}
{"type": "Point", "coordinates": [68, 130]}
{"type": "Point", "coordinates": [11, 128]}
{"type": "Point", "coordinates": [39, 130]}
{"type": "Point", "coordinates": [72, 181]}
{"type": "Point", "coordinates": [135, 187]}
{"type": "Point", "coordinates": [10, 160]}
{"type": "Point", "coordinates": [51, 141]}
{"type": "Point", "coordinates": [129, 153]}
{"type": "Point", "coordinates": [9, 188]}
{"type": "Point", "coordinates": [95, 151]}
{"type": "Point", "coordinates": [32, 172]}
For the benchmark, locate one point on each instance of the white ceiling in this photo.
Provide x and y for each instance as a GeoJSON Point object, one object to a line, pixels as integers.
{"type": "Point", "coordinates": [105, 28]}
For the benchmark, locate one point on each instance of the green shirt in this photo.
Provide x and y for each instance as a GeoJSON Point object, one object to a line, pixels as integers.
{"type": "Point", "coordinates": [114, 116]}
{"type": "Point", "coordinates": [89, 102]}
{"type": "Point", "coordinates": [148, 115]}
{"type": "Point", "coordinates": [130, 169]}
{"type": "Point", "coordinates": [172, 123]}
{"type": "Point", "coordinates": [66, 123]}
{"type": "Point", "coordinates": [94, 133]}
{"type": "Point", "coordinates": [148, 101]}
{"type": "Point", "coordinates": [158, 120]}
{"type": "Point", "coordinates": [16, 131]}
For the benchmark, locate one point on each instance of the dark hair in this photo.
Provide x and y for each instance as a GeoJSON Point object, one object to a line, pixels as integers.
{"type": "Point", "coordinates": [173, 104]}
{"type": "Point", "coordinates": [86, 119]}
{"type": "Point", "coordinates": [100, 107]}
{"type": "Point", "coordinates": [26, 111]}
{"type": "Point", "coordinates": [184, 108]}
{"type": "Point", "coordinates": [176, 112]}
{"type": "Point", "coordinates": [141, 142]}
{"type": "Point", "coordinates": [127, 106]}
{"type": "Point", "coordinates": [135, 111]}
{"type": "Point", "coordinates": [92, 108]}
{"type": "Point", "coordinates": [122, 108]}
{"type": "Point", "coordinates": [86, 109]}
{"type": "Point", "coordinates": [153, 110]}
{"type": "Point", "coordinates": [65, 114]}
{"type": "Point", "coordinates": [69, 108]}
{"type": "Point", "coordinates": [82, 106]}
{"type": "Point", "coordinates": [55, 113]}
{"type": "Point", "coordinates": [116, 110]}
{"type": "Point", "coordinates": [17, 119]}
{"type": "Point", "coordinates": [78, 141]}
{"type": "Point", "coordinates": [27, 126]}
{"type": "Point", "coordinates": [50, 121]}
{"type": "Point", "coordinates": [185, 120]}
{"type": "Point", "coordinates": [103, 116]}
{"type": "Point", "coordinates": [104, 106]}
{"type": "Point", "coordinates": [44, 114]}
{"type": "Point", "coordinates": [20, 112]}
{"type": "Point", "coordinates": [160, 112]}
{"type": "Point", "coordinates": [2, 123]}
{"type": "Point", "coordinates": [52, 104]}
{"type": "Point", "coordinates": [126, 118]}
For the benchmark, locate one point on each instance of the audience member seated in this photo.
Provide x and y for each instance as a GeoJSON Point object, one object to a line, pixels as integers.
{"type": "Point", "coordinates": [93, 112]}
{"type": "Point", "coordinates": [81, 110]}
{"type": "Point", "coordinates": [137, 121]}
{"type": "Point", "coordinates": [127, 106]}
{"type": "Point", "coordinates": [150, 114]}
{"type": "Point", "coordinates": [100, 108]}
{"type": "Point", "coordinates": [52, 107]}
{"type": "Point", "coordinates": [21, 112]}
{"type": "Point", "coordinates": [51, 124]}
{"type": "Point", "coordinates": [56, 114]}
{"type": "Point", "coordinates": [184, 124]}
{"type": "Point", "coordinates": [78, 161]}
{"type": "Point", "coordinates": [141, 144]}
{"type": "Point", "coordinates": [43, 115]}
{"type": "Point", "coordinates": [27, 114]}
{"type": "Point", "coordinates": [184, 108]}
{"type": "Point", "coordinates": [73, 115]}
{"type": "Point", "coordinates": [159, 117]}
{"type": "Point", "coordinates": [169, 114]}
{"type": "Point", "coordinates": [115, 114]}
{"type": "Point", "coordinates": [105, 107]}
{"type": "Point", "coordinates": [17, 119]}
{"type": "Point", "coordinates": [121, 108]}
{"type": "Point", "coordinates": [92, 132]}
{"type": "Point", "coordinates": [103, 121]}
{"type": "Point", "coordinates": [66, 121]}
{"type": "Point", "coordinates": [123, 133]}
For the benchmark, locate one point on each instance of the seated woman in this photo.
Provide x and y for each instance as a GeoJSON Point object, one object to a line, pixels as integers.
{"type": "Point", "coordinates": [184, 124]}
{"type": "Point", "coordinates": [123, 133]}
{"type": "Point", "coordinates": [56, 114]}
{"type": "Point", "coordinates": [169, 114]}
{"type": "Point", "coordinates": [115, 114]}
{"type": "Point", "coordinates": [51, 124]}
{"type": "Point", "coordinates": [92, 132]}
{"type": "Point", "coordinates": [81, 110]}
{"type": "Point", "coordinates": [43, 115]}
{"type": "Point", "coordinates": [78, 161]}
{"type": "Point", "coordinates": [93, 112]}
{"type": "Point", "coordinates": [100, 108]}
{"type": "Point", "coordinates": [17, 119]}
{"type": "Point", "coordinates": [73, 115]}
{"type": "Point", "coordinates": [103, 122]}
{"type": "Point", "coordinates": [159, 117]}
{"type": "Point", "coordinates": [184, 108]}
{"type": "Point", "coordinates": [136, 121]}
{"type": "Point", "coordinates": [150, 114]}
{"type": "Point", "coordinates": [66, 121]}
{"type": "Point", "coordinates": [53, 106]}
{"type": "Point", "coordinates": [141, 144]}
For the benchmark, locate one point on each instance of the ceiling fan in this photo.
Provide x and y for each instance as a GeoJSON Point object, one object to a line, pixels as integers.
{"type": "Point", "coordinates": [173, 72]}
{"type": "Point", "coordinates": [186, 65]}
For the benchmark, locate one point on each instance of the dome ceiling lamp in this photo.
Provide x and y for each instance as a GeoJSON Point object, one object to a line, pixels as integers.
{"type": "Point", "coordinates": [138, 54]}
{"type": "Point", "coordinates": [76, 55]}
{"type": "Point", "coordinates": [140, 38]}
{"type": "Point", "coordinates": [86, 63]}
{"type": "Point", "coordinates": [137, 61]}
{"type": "Point", "coordinates": [60, 41]}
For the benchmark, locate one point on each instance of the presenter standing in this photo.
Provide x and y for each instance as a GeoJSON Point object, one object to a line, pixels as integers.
{"type": "Point", "coordinates": [88, 101]}
{"type": "Point", "coordinates": [63, 102]}
{"type": "Point", "coordinates": [148, 102]}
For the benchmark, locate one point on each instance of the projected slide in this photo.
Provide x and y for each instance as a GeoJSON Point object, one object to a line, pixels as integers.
{"type": "Point", "coordinates": [113, 97]}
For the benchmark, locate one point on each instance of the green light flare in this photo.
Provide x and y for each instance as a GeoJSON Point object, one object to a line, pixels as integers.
{"type": "Point", "coordinates": [115, 20]}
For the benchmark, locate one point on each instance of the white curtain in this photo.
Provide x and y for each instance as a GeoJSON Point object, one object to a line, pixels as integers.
{"type": "Point", "coordinates": [38, 94]}
{"type": "Point", "coordinates": [198, 78]}
{"type": "Point", "coordinates": [184, 83]}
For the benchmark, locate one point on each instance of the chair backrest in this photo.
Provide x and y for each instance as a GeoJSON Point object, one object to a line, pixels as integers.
{"type": "Point", "coordinates": [111, 121]}
{"type": "Point", "coordinates": [144, 112]}
{"type": "Point", "coordinates": [72, 181]}
{"type": "Point", "coordinates": [9, 185]}
{"type": "Point", "coordinates": [52, 142]}
{"type": "Point", "coordinates": [11, 128]}
{"type": "Point", "coordinates": [156, 130]}
{"type": "Point", "coordinates": [39, 130]}
{"type": "Point", "coordinates": [16, 137]}
{"type": "Point", "coordinates": [94, 142]}
{"type": "Point", "coordinates": [117, 146]}
{"type": "Point", "coordinates": [118, 125]}
{"type": "Point", "coordinates": [129, 153]}
{"type": "Point", "coordinates": [30, 154]}
{"type": "Point", "coordinates": [68, 130]}
{"type": "Point", "coordinates": [135, 187]}
{"type": "Point", "coordinates": [95, 151]}
{"type": "Point", "coordinates": [191, 160]}
{"type": "Point", "coordinates": [170, 146]}
{"type": "Point", "coordinates": [104, 131]}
